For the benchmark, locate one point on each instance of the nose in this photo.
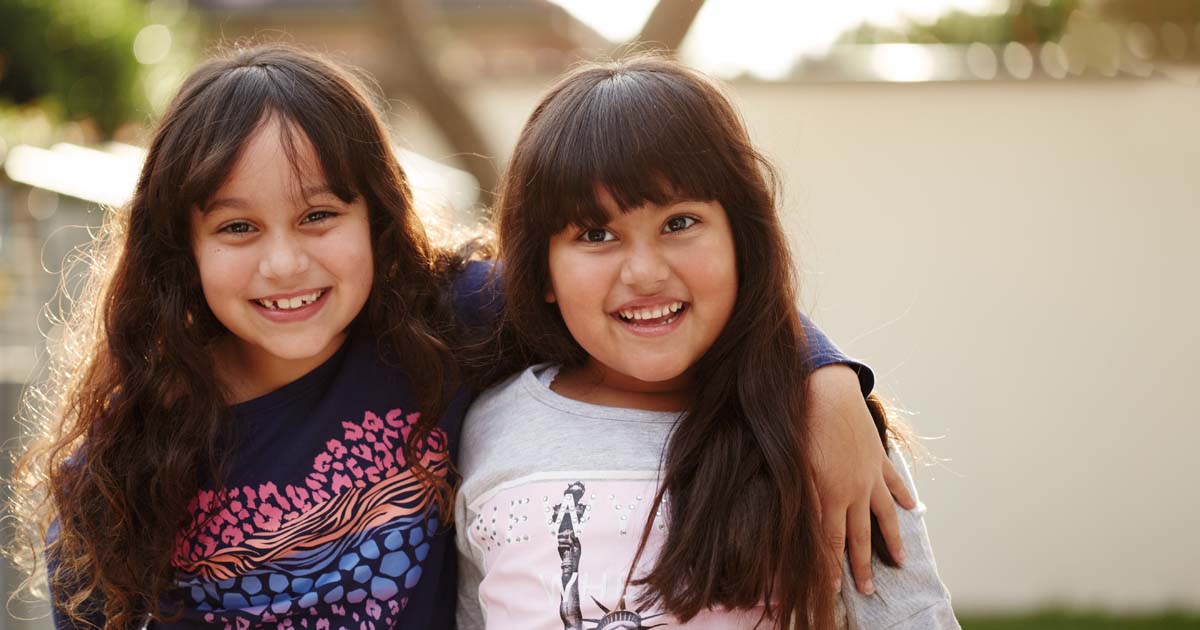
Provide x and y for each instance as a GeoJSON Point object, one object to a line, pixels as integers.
{"type": "Point", "coordinates": [645, 269]}
{"type": "Point", "coordinates": [284, 257]}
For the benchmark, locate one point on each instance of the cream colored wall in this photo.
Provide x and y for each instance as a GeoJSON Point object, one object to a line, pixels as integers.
{"type": "Point", "coordinates": [1017, 261]}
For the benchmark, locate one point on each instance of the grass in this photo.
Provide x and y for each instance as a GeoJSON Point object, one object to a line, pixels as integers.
{"type": "Point", "coordinates": [1081, 621]}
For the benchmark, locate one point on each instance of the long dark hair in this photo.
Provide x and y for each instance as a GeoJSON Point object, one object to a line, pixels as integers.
{"type": "Point", "coordinates": [743, 522]}
{"type": "Point", "coordinates": [132, 409]}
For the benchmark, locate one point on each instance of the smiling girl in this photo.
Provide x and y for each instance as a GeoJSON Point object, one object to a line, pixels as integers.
{"type": "Point", "coordinates": [255, 404]}
{"type": "Point", "coordinates": [252, 414]}
{"type": "Point", "coordinates": [657, 471]}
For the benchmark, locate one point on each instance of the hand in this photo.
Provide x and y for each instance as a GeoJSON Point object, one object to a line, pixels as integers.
{"type": "Point", "coordinates": [854, 476]}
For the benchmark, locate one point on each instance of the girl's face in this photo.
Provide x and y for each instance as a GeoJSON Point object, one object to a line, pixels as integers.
{"type": "Point", "coordinates": [284, 263]}
{"type": "Point", "coordinates": [647, 294]}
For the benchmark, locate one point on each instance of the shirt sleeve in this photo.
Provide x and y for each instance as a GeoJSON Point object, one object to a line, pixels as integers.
{"type": "Point", "coordinates": [911, 597]}
{"type": "Point", "coordinates": [468, 613]}
{"type": "Point", "coordinates": [822, 352]}
{"type": "Point", "coordinates": [476, 295]}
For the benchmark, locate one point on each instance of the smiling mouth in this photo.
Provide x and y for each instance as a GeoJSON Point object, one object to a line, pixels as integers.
{"type": "Point", "coordinates": [292, 303]}
{"type": "Point", "coordinates": [654, 316]}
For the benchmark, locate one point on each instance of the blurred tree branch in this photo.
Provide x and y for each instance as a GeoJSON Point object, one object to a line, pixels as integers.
{"type": "Point", "coordinates": [402, 27]}
{"type": "Point", "coordinates": [669, 23]}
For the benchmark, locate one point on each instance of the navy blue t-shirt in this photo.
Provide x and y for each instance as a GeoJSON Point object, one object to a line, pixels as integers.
{"type": "Point", "coordinates": [324, 525]}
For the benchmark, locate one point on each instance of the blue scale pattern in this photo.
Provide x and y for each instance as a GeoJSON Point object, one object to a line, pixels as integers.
{"type": "Point", "coordinates": [382, 567]}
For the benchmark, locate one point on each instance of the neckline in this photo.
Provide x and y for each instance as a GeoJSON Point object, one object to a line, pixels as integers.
{"type": "Point", "coordinates": [307, 387]}
{"type": "Point", "coordinates": [537, 379]}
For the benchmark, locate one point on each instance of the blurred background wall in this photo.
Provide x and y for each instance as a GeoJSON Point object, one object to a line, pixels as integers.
{"type": "Point", "coordinates": [993, 203]}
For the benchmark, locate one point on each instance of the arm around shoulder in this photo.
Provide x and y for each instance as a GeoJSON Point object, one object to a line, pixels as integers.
{"type": "Point", "coordinates": [911, 597]}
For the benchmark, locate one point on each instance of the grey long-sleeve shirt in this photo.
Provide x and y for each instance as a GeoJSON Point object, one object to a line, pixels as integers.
{"type": "Point", "coordinates": [555, 494]}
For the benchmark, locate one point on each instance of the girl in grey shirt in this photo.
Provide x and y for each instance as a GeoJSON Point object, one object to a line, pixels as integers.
{"type": "Point", "coordinates": [655, 472]}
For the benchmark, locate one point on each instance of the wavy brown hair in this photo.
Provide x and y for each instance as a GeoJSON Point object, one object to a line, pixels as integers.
{"type": "Point", "coordinates": [132, 419]}
{"type": "Point", "coordinates": [744, 529]}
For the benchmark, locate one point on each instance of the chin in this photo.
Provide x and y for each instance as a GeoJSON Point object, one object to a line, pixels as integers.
{"type": "Point", "coordinates": [650, 372]}
{"type": "Point", "coordinates": [299, 351]}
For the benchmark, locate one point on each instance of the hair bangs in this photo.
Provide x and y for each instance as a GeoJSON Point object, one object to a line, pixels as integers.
{"type": "Point", "coordinates": [613, 138]}
{"type": "Point", "coordinates": [203, 142]}
{"type": "Point", "coordinates": [335, 141]}
{"type": "Point", "coordinates": [238, 102]}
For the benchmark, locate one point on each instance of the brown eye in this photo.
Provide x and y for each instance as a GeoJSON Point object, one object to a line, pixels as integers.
{"type": "Point", "coordinates": [237, 227]}
{"type": "Point", "coordinates": [317, 216]}
{"type": "Point", "coordinates": [596, 235]}
{"type": "Point", "coordinates": [675, 224]}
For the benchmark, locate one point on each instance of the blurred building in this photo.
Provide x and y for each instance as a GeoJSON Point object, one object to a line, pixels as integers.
{"type": "Point", "coordinates": [468, 39]}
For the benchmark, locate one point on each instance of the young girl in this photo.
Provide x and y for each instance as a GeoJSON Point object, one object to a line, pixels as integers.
{"type": "Point", "coordinates": [251, 417]}
{"type": "Point", "coordinates": [655, 472]}
{"type": "Point", "coordinates": [259, 428]}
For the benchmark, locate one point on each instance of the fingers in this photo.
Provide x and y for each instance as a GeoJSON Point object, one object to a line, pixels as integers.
{"type": "Point", "coordinates": [833, 521]}
{"type": "Point", "coordinates": [895, 485]}
{"type": "Point", "coordinates": [858, 523]}
{"type": "Point", "coordinates": [889, 525]}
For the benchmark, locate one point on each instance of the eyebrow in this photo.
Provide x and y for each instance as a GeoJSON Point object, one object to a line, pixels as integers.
{"type": "Point", "coordinates": [237, 203]}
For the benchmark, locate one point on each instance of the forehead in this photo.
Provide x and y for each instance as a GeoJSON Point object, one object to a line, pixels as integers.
{"type": "Point", "coordinates": [276, 162]}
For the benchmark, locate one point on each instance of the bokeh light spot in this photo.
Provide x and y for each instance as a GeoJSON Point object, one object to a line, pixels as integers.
{"type": "Point", "coordinates": [902, 62]}
{"type": "Point", "coordinates": [981, 61]}
{"type": "Point", "coordinates": [42, 204]}
{"type": "Point", "coordinates": [1140, 40]}
{"type": "Point", "coordinates": [1175, 41]}
{"type": "Point", "coordinates": [1054, 60]}
{"type": "Point", "coordinates": [1018, 60]}
{"type": "Point", "coordinates": [152, 44]}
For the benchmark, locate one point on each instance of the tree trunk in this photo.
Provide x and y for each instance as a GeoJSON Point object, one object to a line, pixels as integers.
{"type": "Point", "coordinates": [669, 23]}
{"type": "Point", "coordinates": [401, 26]}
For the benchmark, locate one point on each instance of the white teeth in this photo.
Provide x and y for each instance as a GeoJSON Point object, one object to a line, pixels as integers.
{"type": "Point", "coordinates": [287, 304]}
{"type": "Point", "coordinates": [651, 313]}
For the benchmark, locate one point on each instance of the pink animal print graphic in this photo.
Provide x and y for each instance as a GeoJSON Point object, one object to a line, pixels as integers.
{"type": "Point", "coordinates": [353, 535]}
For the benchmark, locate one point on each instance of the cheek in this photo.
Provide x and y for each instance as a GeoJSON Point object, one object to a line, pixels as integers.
{"type": "Point", "coordinates": [579, 286]}
{"type": "Point", "coordinates": [357, 267]}
{"type": "Point", "coordinates": [221, 271]}
{"type": "Point", "coordinates": [351, 257]}
{"type": "Point", "coordinates": [716, 272]}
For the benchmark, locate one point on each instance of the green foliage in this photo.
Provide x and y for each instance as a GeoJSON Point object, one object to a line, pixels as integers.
{"type": "Point", "coordinates": [1025, 21]}
{"type": "Point", "coordinates": [1077, 621]}
{"type": "Point", "coordinates": [74, 57]}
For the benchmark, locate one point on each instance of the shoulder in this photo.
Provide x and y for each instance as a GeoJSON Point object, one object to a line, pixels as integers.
{"type": "Point", "coordinates": [499, 415]}
{"type": "Point", "coordinates": [475, 293]}
{"type": "Point", "coordinates": [501, 398]}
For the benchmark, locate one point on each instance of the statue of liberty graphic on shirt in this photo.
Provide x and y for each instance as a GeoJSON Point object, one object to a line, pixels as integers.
{"type": "Point", "coordinates": [570, 515]}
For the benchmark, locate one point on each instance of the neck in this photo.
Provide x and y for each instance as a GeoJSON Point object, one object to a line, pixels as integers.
{"type": "Point", "coordinates": [248, 372]}
{"type": "Point", "coordinates": [597, 384]}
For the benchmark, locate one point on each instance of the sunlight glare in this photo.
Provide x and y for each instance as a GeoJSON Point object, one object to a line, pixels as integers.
{"type": "Point", "coordinates": [765, 38]}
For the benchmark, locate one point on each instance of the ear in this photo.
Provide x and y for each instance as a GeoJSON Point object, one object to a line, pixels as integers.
{"type": "Point", "coordinates": [550, 298]}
